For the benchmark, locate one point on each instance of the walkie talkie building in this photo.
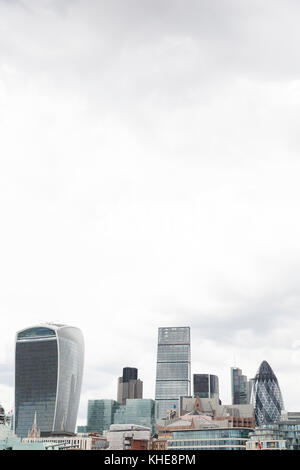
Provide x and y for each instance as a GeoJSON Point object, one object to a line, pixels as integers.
{"type": "Point", "coordinates": [48, 377]}
{"type": "Point", "coordinates": [173, 373]}
{"type": "Point", "coordinates": [266, 396]}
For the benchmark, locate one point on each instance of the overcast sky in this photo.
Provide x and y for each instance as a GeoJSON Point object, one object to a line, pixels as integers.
{"type": "Point", "coordinates": [149, 176]}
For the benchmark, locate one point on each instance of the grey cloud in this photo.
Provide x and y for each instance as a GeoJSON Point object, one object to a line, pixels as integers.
{"type": "Point", "coordinates": [261, 316]}
{"type": "Point", "coordinates": [149, 177]}
{"type": "Point", "coordinates": [112, 50]}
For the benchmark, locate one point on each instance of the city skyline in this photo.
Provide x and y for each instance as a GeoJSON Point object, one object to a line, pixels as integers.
{"type": "Point", "coordinates": [149, 176]}
{"type": "Point", "coordinates": [162, 331]}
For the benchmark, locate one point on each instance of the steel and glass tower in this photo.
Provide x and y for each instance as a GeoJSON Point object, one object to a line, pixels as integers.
{"type": "Point", "coordinates": [173, 373]}
{"type": "Point", "coordinates": [266, 396]}
{"type": "Point", "coordinates": [206, 386]}
{"type": "Point", "coordinates": [137, 411]}
{"type": "Point", "coordinates": [240, 387]}
{"type": "Point", "coordinates": [48, 375]}
{"type": "Point", "coordinates": [101, 415]}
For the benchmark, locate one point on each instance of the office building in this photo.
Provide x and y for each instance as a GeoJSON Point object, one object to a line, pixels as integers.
{"type": "Point", "coordinates": [240, 387]}
{"type": "Point", "coordinates": [282, 435]}
{"type": "Point", "coordinates": [265, 438]}
{"type": "Point", "coordinates": [173, 373]}
{"type": "Point", "coordinates": [266, 396]}
{"type": "Point", "coordinates": [81, 429]}
{"type": "Point", "coordinates": [128, 437]}
{"type": "Point", "coordinates": [80, 442]}
{"type": "Point", "coordinates": [48, 375]}
{"type": "Point", "coordinates": [209, 438]}
{"type": "Point", "coordinates": [206, 386]}
{"type": "Point", "coordinates": [129, 386]}
{"type": "Point", "coordinates": [142, 412]}
{"type": "Point", "coordinates": [101, 415]}
{"type": "Point", "coordinates": [290, 416]}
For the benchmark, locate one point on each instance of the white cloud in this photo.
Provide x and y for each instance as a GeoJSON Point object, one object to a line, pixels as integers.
{"type": "Point", "coordinates": [149, 177]}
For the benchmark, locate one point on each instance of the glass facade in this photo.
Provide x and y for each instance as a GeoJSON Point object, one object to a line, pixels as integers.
{"type": "Point", "coordinates": [101, 415]}
{"type": "Point", "coordinates": [210, 439]}
{"type": "Point", "coordinates": [81, 429]}
{"type": "Point", "coordinates": [266, 396]}
{"type": "Point", "coordinates": [35, 384]}
{"type": "Point", "coordinates": [173, 373]}
{"type": "Point", "coordinates": [36, 332]}
{"type": "Point", "coordinates": [129, 373]}
{"type": "Point", "coordinates": [280, 435]}
{"type": "Point", "coordinates": [206, 386]}
{"type": "Point", "coordinates": [48, 376]}
{"type": "Point", "coordinates": [240, 387]}
{"type": "Point", "coordinates": [137, 411]}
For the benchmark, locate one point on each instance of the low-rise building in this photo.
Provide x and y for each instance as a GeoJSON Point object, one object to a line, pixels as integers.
{"type": "Point", "coordinates": [9, 441]}
{"type": "Point", "coordinates": [290, 416]}
{"type": "Point", "coordinates": [283, 435]}
{"type": "Point", "coordinates": [90, 441]}
{"type": "Point", "coordinates": [124, 437]}
{"type": "Point", "coordinates": [159, 443]}
{"type": "Point", "coordinates": [141, 411]}
{"type": "Point", "coordinates": [236, 415]}
{"type": "Point", "coordinates": [213, 438]}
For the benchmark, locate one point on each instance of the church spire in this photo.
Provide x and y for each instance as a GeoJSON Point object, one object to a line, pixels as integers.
{"type": "Point", "coordinates": [34, 431]}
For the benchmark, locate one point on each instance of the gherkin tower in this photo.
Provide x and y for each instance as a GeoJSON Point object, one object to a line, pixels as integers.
{"type": "Point", "coordinates": [266, 396]}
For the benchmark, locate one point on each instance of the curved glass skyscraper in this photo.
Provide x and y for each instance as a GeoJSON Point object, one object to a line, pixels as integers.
{"type": "Point", "coordinates": [266, 396]}
{"type": "Point", "coordinates": [48, 376]}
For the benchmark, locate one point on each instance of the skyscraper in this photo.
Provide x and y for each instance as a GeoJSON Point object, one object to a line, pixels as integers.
{"type": "Point", "coordinates": [266, 396]}
{"type": "Point", "coordinates": [129, 386]}
{"type": "Point", "coordinates": [173, 373]}
{"type": "Point", "coordinates": [137, 411]}
{"type": "Point", "coordinates": [240, 387]}
{"type": "Point", "coordinates": [206, 386]}
{"type": "Point", "coordinates": [48, 375]}
{"type": "Point", "coordinates": [101, 415]}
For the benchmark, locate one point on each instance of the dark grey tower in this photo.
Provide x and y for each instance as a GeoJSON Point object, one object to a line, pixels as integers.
{"type": "Point", "coordinates": [206, 386]}
{"type": "Point", "coordinates": [130, 373]}
{"type": "Point", "coordinates": [266, 396]}
{"type": "Point", "coordinates": [48, 375]}
{"type": "Point", "coordinates": [129, 386]}
{"type": "Point", "coordinates": [240, 387]}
